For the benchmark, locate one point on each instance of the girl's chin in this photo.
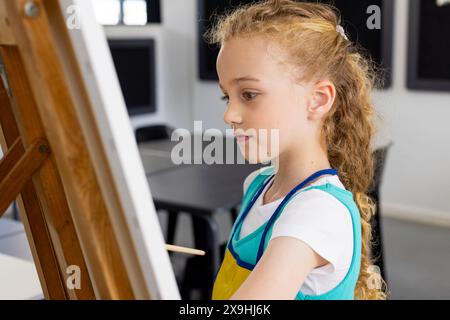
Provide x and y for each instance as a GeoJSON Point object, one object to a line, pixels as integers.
{"type": "Point", "coordinates": [255, 159]}
{"type": "Point", "coordinates": [252, 153]}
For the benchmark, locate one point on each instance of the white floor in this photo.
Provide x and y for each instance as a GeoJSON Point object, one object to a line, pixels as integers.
{"type": "Point", "coordinates": [18, 276]}
{"type": "Point", "coordinates": [418, 260]}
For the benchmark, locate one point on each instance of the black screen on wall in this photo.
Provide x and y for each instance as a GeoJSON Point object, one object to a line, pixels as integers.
{"type": "Point", "coordinates": [153, 11]}
{"type": "Point", "coordinates": [433, 50]}
{"type": "Point", "coordinates": [208, 53]}
{"type": "Point", "coordinates": [428, 48]}
{"type": "Point", "coordinates": [377, 42]}
{"type": "Point", "coordinates": [134, 61]}
{"type": "Point", "coordinates": [354, 20]}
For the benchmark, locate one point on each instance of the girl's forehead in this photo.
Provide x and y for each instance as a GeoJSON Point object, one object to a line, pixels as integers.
{"type": "Point", "coordinates": [255, 48]}
{"type": "Point", "coordinates": [251, 56]}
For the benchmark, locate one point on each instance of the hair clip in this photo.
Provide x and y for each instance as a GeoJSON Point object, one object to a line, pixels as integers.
{"type": "Point", "coordinates": [341, 30]}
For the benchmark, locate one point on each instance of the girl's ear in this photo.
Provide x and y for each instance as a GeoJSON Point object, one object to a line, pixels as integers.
{"type": "Point", "coordinates": [321, 100]}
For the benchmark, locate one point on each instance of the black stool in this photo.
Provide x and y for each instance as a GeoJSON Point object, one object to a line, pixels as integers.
{"type": "Point", "coordinates": [374, 192]}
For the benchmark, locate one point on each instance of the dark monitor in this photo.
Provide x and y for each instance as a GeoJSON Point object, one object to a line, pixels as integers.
{"type": "Point", "coordinates": [134, 60]}
{"type": "Point", "coordinates": [428, 53]}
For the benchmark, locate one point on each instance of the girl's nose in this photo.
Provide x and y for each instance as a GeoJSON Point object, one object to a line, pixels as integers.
{"type": "Point", "coordinates": [232, 115]}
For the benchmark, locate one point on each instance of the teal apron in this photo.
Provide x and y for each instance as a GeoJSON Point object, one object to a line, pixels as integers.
{"type": "Point", "coordinates": [241, 255]}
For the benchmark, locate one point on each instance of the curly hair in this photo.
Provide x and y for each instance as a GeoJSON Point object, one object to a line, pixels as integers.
{"type": "Point", "coordinates": [307, 31]}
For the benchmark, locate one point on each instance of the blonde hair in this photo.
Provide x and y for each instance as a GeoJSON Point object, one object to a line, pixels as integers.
{"type": "Point", "coordinates": [308, 33]}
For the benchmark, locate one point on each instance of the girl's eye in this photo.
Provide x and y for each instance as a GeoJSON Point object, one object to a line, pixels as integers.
{"type": "Point", "coordinates": [249, 95]}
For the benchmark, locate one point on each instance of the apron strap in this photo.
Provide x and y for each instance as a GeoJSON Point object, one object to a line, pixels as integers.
{"type": "Point", "coordinates": [282, 204]}
{"type": "Point", "coordinates": [253, 197]}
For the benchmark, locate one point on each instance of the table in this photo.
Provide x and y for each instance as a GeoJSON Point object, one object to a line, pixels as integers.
{"type": "Point", "coordinates": [201, 190]}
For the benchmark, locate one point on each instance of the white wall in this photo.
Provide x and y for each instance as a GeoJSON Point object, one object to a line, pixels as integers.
{"type": "Point", "coordinates": [417, 176]}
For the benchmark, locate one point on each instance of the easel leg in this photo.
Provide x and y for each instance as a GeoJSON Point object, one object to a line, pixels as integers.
{"type": "Point", "coordinates": [43, 206]}
{"type": "Point", "coordinates": [40, 243]}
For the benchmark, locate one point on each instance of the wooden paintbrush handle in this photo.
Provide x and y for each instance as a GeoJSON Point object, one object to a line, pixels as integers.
{"type": "Point", "coordinates": [171, 247]}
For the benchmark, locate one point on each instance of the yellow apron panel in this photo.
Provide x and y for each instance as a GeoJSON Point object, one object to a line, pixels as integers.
{"type": "Point", "coordinates": [229, 279]}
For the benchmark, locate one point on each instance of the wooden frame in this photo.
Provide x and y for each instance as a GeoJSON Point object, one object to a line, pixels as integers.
{"type": "Point", "coordinates": [70, 151]}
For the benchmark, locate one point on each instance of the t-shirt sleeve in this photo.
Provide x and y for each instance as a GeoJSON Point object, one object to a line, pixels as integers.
{"type": "Point", "coordinates": [321, 221]}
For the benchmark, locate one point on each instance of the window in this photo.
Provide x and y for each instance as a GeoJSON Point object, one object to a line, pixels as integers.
{"type": "Point", "coordinates": [127, 12]}
{"type": "Point", "coordinates": [135, 12]}
{"type": "Point", "coordinates": [107, 11]}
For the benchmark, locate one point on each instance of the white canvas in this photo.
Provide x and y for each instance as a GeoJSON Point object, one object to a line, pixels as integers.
{"type": "Point", "coordinates": [111, 117]}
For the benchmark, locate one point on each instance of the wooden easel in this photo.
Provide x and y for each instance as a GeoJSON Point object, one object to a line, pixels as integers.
{"type": "Point", "coordinates": [47, 134]}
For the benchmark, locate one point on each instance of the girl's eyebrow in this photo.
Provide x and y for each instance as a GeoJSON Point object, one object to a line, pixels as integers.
{"type": "Point", "coordinates": [241, 79]}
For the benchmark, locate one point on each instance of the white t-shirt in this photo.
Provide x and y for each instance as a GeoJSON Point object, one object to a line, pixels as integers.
{"type": "Point", "coordinates": [318, 219]}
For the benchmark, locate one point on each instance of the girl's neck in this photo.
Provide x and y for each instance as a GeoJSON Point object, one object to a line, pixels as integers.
{"type": "Point", "coordinates": [292, 169]}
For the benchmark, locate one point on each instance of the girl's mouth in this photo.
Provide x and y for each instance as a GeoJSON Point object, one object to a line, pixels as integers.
{"type": "Point", "coordinates": [242, 139]}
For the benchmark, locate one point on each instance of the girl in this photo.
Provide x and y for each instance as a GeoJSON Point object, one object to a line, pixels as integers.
{"type": "Point", "coordinates": [303, 231]}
